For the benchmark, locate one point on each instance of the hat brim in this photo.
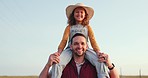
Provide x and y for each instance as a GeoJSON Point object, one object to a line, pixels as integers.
{"type": "Point", "coordinates": [70, 9]}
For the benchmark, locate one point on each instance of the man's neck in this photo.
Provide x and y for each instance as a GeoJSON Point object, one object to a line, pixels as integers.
{"type": "Point", "coordinates": [79, 59]}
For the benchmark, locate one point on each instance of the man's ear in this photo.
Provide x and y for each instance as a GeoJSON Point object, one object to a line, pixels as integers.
{"type": "Point", "coordinates": [87, 46]}
{"type": "Point", "coordinates": [70, 47]}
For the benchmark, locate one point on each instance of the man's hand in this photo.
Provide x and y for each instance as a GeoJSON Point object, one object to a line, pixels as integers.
{"type": "Point", "coordinates": [53, 59]}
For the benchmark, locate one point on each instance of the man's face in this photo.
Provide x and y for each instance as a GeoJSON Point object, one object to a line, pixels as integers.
{"type": "Point", "coordinates": [79, 46]}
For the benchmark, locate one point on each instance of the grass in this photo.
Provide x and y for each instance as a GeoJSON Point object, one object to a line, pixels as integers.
{"type": "Point", "coordinates": [37, 77]}
{"type": "Point", "coordinates": [133, 77]}
{"type": "Point", "coordinates": [18, 76]}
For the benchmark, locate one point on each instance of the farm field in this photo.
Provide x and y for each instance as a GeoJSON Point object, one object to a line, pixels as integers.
{"type": "Point", "coordinates": [18, 76]}
{"type": "Point", "coordinates": [133, 77]}
{"type": "Point", "coordinates": [37, 77]}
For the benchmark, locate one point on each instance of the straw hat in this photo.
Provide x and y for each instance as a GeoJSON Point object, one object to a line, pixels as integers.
{"type": "Point", "coordinates": [89, 10]}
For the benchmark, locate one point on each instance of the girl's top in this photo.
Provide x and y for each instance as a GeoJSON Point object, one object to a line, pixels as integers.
{"type": "Point", "coordinates": [70, 31]}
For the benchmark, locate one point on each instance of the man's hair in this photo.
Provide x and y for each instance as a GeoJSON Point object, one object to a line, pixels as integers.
{"type": "Point", "coordinates": [77, 34]}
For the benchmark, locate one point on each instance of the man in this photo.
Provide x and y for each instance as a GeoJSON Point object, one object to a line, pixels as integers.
{"type": "Point", "coordinates": [78, 67]}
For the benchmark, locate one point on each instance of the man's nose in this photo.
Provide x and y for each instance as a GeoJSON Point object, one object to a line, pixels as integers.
{"type": "Point", "coordinates": [79, 45]}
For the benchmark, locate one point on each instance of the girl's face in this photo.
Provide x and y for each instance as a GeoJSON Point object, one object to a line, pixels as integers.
{"type": "Point", "coordinates": [79, 14]}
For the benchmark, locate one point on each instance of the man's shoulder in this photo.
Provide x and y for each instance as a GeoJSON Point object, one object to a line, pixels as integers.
{"type": "Point", "coordinates": [88, 63]}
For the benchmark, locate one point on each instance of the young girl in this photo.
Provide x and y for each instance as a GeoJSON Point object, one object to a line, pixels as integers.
{"type": "Point", "coordinates": [78, 22]}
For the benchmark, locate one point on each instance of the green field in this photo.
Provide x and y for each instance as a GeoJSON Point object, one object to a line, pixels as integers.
{"type": "Point", "coordinates": [37, 77]}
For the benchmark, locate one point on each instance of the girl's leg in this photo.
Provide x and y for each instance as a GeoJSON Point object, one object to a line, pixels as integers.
{"type": "Point", "coordinates": [101, 68]}
{"type": "Point", "coordinates": [65, 58]}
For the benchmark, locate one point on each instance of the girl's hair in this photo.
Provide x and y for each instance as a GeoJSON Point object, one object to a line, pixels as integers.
{"type": "Point", "coordinates": [72, 21]}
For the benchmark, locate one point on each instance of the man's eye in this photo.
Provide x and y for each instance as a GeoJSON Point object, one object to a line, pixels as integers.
{"type": "Point", "coordinates": [75, 43]}
{"type": "Point", "coordinates": [82, 43]}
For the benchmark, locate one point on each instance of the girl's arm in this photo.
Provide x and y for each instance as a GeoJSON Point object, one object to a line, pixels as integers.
{"type": "Point", "coordinates": [93, 40]}
{"type": "Point", "coordinates": [64, 39]}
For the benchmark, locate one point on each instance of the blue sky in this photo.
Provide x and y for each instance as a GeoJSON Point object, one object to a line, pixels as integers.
{"type": "Point", "coordinates": [30, 30]}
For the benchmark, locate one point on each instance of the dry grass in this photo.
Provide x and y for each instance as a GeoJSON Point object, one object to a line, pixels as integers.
{"type": "Point", "coordinates": [18, 76]}
{"type": "Point", "coordinates": [37, 77]}
{"type": "Point", "coordinates": [133, 77]}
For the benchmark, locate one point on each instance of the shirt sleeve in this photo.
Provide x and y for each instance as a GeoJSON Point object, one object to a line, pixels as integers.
{"type": "Point", "coordinates": [65, 38]}
{"type": "Point", "coordinates": [92, 39]}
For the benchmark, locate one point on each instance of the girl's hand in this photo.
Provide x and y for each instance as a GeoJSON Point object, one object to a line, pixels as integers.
{"type": "Point", "coordinates": [105, 58]}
